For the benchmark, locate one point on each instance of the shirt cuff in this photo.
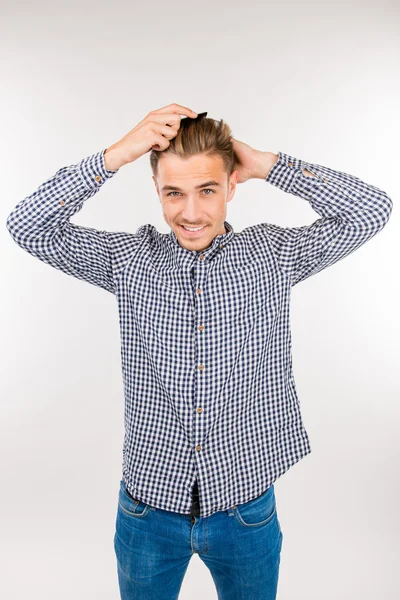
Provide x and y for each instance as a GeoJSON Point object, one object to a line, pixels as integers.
{"type": "Point", "coordinates": [285, 170]}
{"type": "Point", "coordinates": [93, 171]}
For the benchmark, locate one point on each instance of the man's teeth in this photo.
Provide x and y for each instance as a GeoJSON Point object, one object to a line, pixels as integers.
{"type": "Point", "coordinates": [192, 229]}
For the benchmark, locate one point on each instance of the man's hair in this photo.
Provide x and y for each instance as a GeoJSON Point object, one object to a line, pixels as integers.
{"type": "Point", "coordinates": [198, 136]}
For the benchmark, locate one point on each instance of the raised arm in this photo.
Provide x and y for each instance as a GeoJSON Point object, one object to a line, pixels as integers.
{"type": "Point", "coordinates": [40, 223]}
{"type": "Point", "coordinates": [352, 212]}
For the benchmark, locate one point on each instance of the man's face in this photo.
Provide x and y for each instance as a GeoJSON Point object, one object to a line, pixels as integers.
{"type": "Point", "coordinates": [194, 192]}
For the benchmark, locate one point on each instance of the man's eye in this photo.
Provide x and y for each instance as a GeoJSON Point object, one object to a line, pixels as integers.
{"type": "Point", "coordinates": [205, 190]}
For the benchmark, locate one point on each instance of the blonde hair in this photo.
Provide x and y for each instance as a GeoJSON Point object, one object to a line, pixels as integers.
{"type": "Point", "coordinates": [198, 136]}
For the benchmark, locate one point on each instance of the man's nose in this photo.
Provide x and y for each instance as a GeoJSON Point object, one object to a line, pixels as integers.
{"type": "Point", "coordinates": [191, 214]}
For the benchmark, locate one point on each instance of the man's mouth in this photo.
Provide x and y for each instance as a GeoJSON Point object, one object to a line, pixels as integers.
{"type": "Point", "coordinates": [192, 231]}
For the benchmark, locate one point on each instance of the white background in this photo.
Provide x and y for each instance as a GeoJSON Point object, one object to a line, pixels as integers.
{"type": "Point", "coordinates": [318, 81]}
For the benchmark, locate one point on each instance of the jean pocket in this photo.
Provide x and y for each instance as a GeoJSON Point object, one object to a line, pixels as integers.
{"type": "Point", "coordinates": [130, 505]}
{"type": "Point", "coordinates": [259, 511]}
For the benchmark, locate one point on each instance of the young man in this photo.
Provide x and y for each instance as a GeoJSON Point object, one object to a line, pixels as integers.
{"type": "Point", "coordinates": [212, 416]}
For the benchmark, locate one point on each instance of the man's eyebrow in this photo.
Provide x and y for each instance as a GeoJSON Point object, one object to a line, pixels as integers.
{"type": "Point", "coordinates": [206, 184]}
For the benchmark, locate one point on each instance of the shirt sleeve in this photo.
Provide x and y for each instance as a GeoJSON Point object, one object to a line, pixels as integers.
{"type": "Point", "coordinates": [352, 211]}
{"type": "Point", "coordinates": [40, 224]}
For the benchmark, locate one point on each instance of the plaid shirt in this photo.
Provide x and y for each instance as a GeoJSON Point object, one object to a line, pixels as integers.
{"type": "Point", "coordinates": [205, 336]}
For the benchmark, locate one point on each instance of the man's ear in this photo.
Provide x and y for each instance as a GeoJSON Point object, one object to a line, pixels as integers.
{"type": "Point", "coordinates": [233, 179]}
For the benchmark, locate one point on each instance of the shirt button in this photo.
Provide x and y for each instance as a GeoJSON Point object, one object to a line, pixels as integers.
{"type": "Point", "coordinates": [201, 257]}
{"type": "Point", "coordinates": [290, 164]}
{"type": "Point", "coordinates": [201, 367]}
{"type": "Point", "coordinates": [198, 448]}
{"type": "Point", "coordinates": [198, 290]}
{"type": "Point", "coordinates": [201, 327]}
{"type": "Point", "coordinates": [222, 245]}
{"type": "Point", "coordinates": [98, 178]}
{"type": "Point", "coordinates": [199, 410]}
{"type": "Point", "coordinates": [62, 202]}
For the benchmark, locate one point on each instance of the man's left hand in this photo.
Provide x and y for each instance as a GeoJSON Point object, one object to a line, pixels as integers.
{"type": "Point", "coordinates": [251, 163]}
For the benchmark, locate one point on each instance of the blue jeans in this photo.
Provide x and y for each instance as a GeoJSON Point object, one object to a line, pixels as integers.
{"type": "Point", "coordinates": [241, 547]}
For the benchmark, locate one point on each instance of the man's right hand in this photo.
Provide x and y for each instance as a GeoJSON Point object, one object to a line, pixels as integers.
{"type": "Point", "coordinates": [153, 132]}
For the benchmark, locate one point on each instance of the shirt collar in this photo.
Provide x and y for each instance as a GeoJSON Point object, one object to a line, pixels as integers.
{"type": "Point", "coordinates": [186, 256]}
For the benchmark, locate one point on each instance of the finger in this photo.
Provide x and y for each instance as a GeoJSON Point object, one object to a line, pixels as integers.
{"type": "Point", "coordinates": [177, 109]}
{"type": "Point", "coordinates": [163, 134]}
{"type": "Point", "coordinates": [171, 119]}
{"type": "Point", "coordinates": [166, 131]}
{"type": "Point", "coordinates": [159, 143]}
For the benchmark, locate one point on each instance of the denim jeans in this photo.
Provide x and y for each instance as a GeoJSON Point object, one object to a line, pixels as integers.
{"type": "Point", "coordinates": [241, 547]}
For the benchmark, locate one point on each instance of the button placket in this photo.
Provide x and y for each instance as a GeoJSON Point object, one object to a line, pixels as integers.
{"type": "Point", "coordinates": [200, 350]}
